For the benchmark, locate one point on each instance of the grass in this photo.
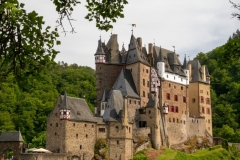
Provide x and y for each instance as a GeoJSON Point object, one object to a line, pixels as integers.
{"type": "Point", "coordinates": [214, 153]}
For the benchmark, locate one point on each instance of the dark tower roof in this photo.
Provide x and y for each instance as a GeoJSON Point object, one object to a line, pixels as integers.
{"type": "Point", "coordinates": [104, 98]}
{"type": "Point", "coordinates": [114, 107]}
{"type": "Point", "coordinates": [135, 53]}
{"type": "Point", "coordinates": [99, 48]}
{"type": "Point", "coordinates": [184, 66]}
{"type": "Point", "coordinates": [151, 100]}
{"type": "Point", "coordinates": [125, 84]}
{"type": "Point", "coordinates": [196, 71]}
{"type": "Point", "coordinates": [64, 101]}
{"type": "Point", "coordinates": [14, 136]}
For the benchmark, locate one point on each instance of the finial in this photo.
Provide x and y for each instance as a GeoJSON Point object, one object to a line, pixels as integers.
{"type": "Point", "coordinates": [123, 44]}
{"type": "Point", "coordinates": [154, 41]}
{"type": "Point", "coordinates": [100, 36]}
{"type": "Point", "coordinates": [133, 25]}
{"type": "Point", "coordinates": [189, 58]}
{"type": "Point", "coordinates": [174, 48]}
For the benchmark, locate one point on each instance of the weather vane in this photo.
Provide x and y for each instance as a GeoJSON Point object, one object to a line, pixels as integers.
{"type": "Point", "coordinates": [174, 48]}
{"type": "Point", "coordinates": [133, 25]}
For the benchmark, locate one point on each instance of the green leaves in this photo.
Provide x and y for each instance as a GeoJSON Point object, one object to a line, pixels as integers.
{"type": "Point", "coordinates": [105, 12]}
{"type": "Point", "coordinates": [24, 47]}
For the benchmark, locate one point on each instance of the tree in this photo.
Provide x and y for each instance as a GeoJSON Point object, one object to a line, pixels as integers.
{"type": "Point", "coordinates": [26, 49]}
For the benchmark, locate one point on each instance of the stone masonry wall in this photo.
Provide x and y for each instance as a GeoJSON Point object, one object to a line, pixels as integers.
{"type": "Point", "coordinates": [56, 130]}
{"type": "Point", "coordinates": [196, 127]}
{"type": "Point", "coordinates": [81, 138]}
{"type": "Point", "coordinates": [16, 147]}
{"type": "Point", "coordinates": [176, 119]}
{"type": "Point", "coordinates": [120, 141]}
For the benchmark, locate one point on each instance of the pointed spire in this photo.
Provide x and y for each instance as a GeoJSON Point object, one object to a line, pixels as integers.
{"type": "Point", "coordinates": [160, 55]}
{"type": "Point", "coordinates": [99, 48]}
{"type": "Point", "coordinates": [64, 102]}
{"type": "Point", "coordinates": [185, 62]}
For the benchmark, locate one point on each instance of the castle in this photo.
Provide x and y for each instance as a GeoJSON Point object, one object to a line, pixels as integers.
{"type": "Point", "coordinates": [140, 94]}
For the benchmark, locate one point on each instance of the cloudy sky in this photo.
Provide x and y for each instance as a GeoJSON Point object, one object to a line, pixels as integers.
{"type": "Point", "coordinates": [192, 26]}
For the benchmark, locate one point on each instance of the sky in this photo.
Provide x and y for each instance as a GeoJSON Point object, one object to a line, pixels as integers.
{"type": "Point", "coordinates": [192, 26]}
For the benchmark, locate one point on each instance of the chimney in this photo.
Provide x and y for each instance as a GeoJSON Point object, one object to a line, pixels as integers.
{"type": "Point", "coordinates": [203, 68]}
{"type": "Point", "coordinates": [139, 40]}
{"type": "Point", "coordinates": [150, 48]}
{"type": "Point", "coordinates": [190, 71]}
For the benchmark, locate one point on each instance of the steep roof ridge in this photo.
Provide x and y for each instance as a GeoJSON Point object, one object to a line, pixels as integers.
{"type": "Point", "coordinates": [64, 101]}
{"type": "Point", "coordinates": [184, 66]}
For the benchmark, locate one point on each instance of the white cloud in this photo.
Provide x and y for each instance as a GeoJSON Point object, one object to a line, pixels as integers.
{"type": "Point", "coordinates": [192, 26]}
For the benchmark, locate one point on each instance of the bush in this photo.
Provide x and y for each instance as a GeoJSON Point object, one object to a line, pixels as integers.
{"type": "Point", "coordinates": [140, 156]}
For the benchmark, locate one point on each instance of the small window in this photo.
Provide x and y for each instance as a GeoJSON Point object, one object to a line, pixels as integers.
{"type": "Point", "coordinates": [117, 142]}
{"type": "Point", "coordinates": [172, 110]}
{"type": "Point", "coordinates": [50, 124]}
{"type": "Point", "coordinates": [56, 114]}
{"type": "Point", "coordinates": [169, 119]}
{"type": "Point", "coordinates": [149, 112]}
{"type": "Point", "coordinates": [177, 120]}
{"type": "Point", "coordinates": [193, 100]}
{"type": "Point", "coordinates": [55, 133]}
{"type": "Point", "coordinates": [135, 102]}
{"type": "Point", "coordinates": [177, 109]}
{"type": "Point", "coordinates": [139, 102]}
{"type": "Point", "coordinates": [116, 128]}
{"type": "Point", "coordinates": [169, 85]}
{"type": "Point", "coordinates": [147, 83]}
{"type": "Point", "coordinates": [142, 111]}
{"type": "Point", "coordinates": [202, 99]}
{"type": "Point", "coordinates": [181, 87]}
{"type": "Point", "coordinates": [85, 125]}
{"type": "Point", "coordinates": [167, 75]}
{"type": "Point", "coordinates": [86, 136]}
{"type": "Point", "coordinates": [175, 98]}
{"type": "Point", "coordinates": [80, 146]}
{"type": "Point", "coordinates": [74, 124]}
{"type": "Point", "coordinates": [147, 70]}
{"type": "Point", "coordinates": [203, 110]}
{"type": "Point", "coordinates": [143, 93]}
{"type": "Point", "coordinates": [184, 99]}
{"type": "Point", "coordinates": [56, 124]}
{"type": "Point", "coordinates": [101, 130]}
{"type": "Point", "coordinates": [207, 92]}
{"type": "Point", "coordinates": [92, 126]}
{"type": "Point", "coordinates": [130, 101]}
{"type": "Point", "coordinates": [129, 130]}
{"type": "Point", "coordinates": [173, 120]}
{"type": "Point", "coordinates": [76, 135]}
{"type": "Point", "coordinates": [143, 82]}
{"type": "Point", "coordinates": [183, 122]}
{"type": "Point", "coordinates": [168, 96]}
{"type": "Point", "coordinates": [174, 77]}
{"type": "Point", "coordinates": [174, 87]}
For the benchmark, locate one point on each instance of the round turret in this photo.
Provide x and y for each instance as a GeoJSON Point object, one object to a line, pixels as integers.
{"type": "Point", "coordinates": [100, 55]}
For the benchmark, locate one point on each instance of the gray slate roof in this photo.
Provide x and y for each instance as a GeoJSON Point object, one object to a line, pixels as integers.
{"type": "Point", "coordinates": [114, 107]}
{"type": "Point", "coordinates": [151, 100]}
{"type": "Point", "coordinates": [15, 136]}
{"type": "Point", "coordinates": [135, 53]}
{"type": "Point", "coordinates": [111, 49]}
{"type": "Point", "coordinates": [125, 84]}
{"type": "Point", "coordinates": [79, 109]}
{"type": "Point", "coordinates": [172, 62]}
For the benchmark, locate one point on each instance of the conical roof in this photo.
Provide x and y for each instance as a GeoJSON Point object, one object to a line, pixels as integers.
{"type": "Point", "coordinates": [100, 48]}
{"type": "Point", "coordinates": [184, 66]}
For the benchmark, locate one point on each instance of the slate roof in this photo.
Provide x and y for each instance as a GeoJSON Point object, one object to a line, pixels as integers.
{"type": "Point", "coordinates": [170, 58]}
{"type": "Point", "coordinates": [125, 84]}
{"type": "Point", "coordinates": [14, 136]}
{"type": "Point", "coordinates": [151, 100]}
{"type": "Point", "coordinates": [114, 107]}
{"type": "Point", "coordinates": [135, 53]}
{"type": "Point", "coordinates": [79, 109]}
{"type": "Point", "coordinates": [196, 71]}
